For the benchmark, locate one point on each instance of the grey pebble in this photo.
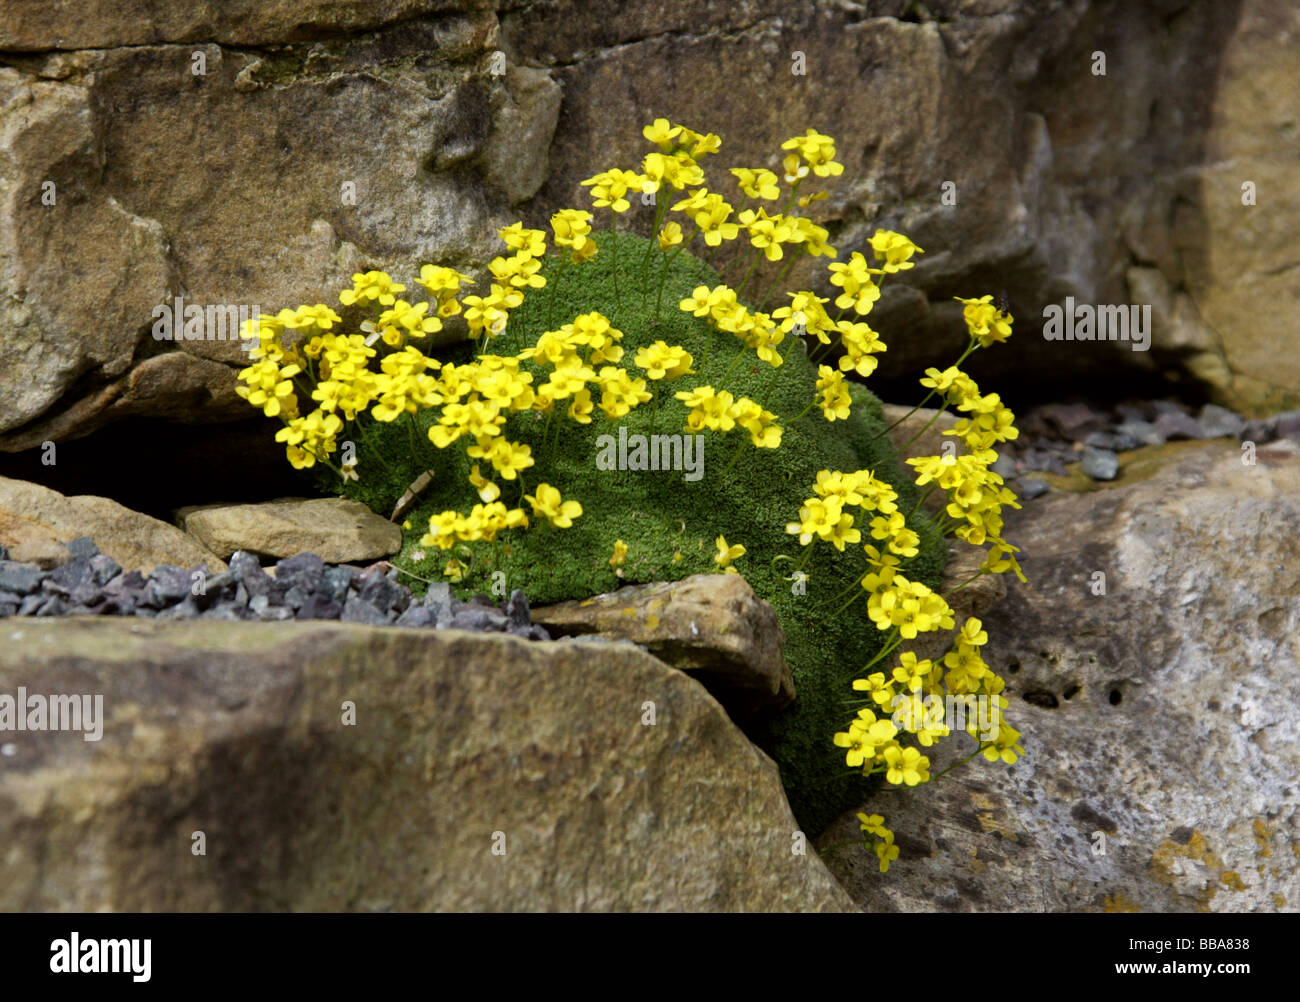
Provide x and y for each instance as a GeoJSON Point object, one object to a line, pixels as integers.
{"type": "Point", "coordinates": [1100, 464]}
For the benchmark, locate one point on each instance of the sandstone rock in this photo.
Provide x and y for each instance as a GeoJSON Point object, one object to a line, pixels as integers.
{"type": "Point", "coordinates": [710, 625]}
{"type": "Point", "coordinates": [1056, 193]}
{"type": "Point", "coordinates": [1161, 715]}
{"type": "Point", "coordinates": [34, 520]}
{"type": "Point", "coordinates": [462, 743]}
{"type": "Point", "coordinates": [1238, 260]}
{"type": "Point", "coordinates": [33, 25]}
{"type": "Point", "coordinates": [335, 529]}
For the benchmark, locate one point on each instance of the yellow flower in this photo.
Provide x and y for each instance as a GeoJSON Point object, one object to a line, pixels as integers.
{"type": "Point", "coordinates": [620, 553]}
{"type": "Point", "coordinates": [661, 361]}
{"type": "Point", "coordinates": [487, 490]}
{"type": "Point", "coordinates": [817, 151]}
{"type": "Point", "coordinates": [670, 235]}
{"type": "Point", "coordinates": [572, 228]}
{"type": "Point", "coordinates": [370, 286]}
{"type": "Point", "coordinates": [726, 554]}
{"type": "Point", "coordinates": [531, 242]}
{"type": "Point", "coordinates": [548, 504]}
{"type": "Point", "coordinates": [833, 396]}
{"type": "Point", "coordinates": [757, 183]}
{"type": "Point", "coordinates": [894, 249]}
{"type": "Point", "coordinates": [661, 133]}
{"type": "Point", "coordinates": [987, 324]}
{"type": "Point", "coordinates": [906, 765]}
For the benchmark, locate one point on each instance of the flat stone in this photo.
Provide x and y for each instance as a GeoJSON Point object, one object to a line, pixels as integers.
{"type": "Point", "coordinates": [416, 615]}
{"type": "Point", "coordinates": [480, 619]}
{"type": "Point", "coordinates": [334, 529]}
{"type": "Point", "coordinates": [37, 515]}
{"type": "Point", "coordinates": [710, 625]}
{"type": "Point", "coordinates": [1073, 421]}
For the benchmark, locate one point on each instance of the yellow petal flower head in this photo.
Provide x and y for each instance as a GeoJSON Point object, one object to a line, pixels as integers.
{"type": "Point", "coordinates": [726, 554]}
{"type": "Point", "coordinates": [817, 151]}
{"type": "Point", "coordinates": [661, 133]}
{"type": "Point", "coordinates": [487, 490]}
{"type": "Point", "coordinates": [531, 243]}
{"type": "Point", "coordinates": [906, 765]}
{"type": "Point", "coordinates": [371, 286]}
{"type": "Point", "coordinates": [758, 183]}
{"type": "Point", "coordinates": [548, 504]}
{"type": "Point", "coordinates": [670, 235]}
{"type": "Point", "coordinates": [662, 361]}
{"type": "Point", "coordinates": [572, 228]}
{"type": "Point", "coordinates": [894, 250]}
{"type": "Point", "coordinates": [987, 324]}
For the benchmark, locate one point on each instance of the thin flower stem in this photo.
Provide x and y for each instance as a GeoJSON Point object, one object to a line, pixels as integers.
{"type": "Point", "coordinates": [661, 209]}
{"type": "Point", "coordinates": [734, 456]}
{"type": "Point", "coordinates": [775, 282]}
{"type": "Point", "coordinates": [613, 240]}
{"type": "Point", "coordinates": [937, 414]}
{"type": "Point", "coordinates": [973, 577]}
{"type": "Point", "coordinates": [668, 259]}
{"type": "Point", "coordinates": [926, 399]}
{"type": "Point", "coordinates": [962, 762]}
{"type": "Point", "coordinates": [885, 651]}
{"type": "Point", "coordinates": [741, 291]}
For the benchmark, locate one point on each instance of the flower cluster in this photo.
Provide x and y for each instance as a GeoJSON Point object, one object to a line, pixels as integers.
{"type": "Point", "coordinates": [330, 378]}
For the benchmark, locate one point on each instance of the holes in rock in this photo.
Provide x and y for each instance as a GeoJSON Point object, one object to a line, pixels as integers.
{"type": "Point", "coordinates": [1013, 666]}
{"type": "Point", "coordinates": [1041, 697]}
{"type": "Point", "coordinates": [1071, 691]}
{"type": "Point", "coordinates": [1115, 697]}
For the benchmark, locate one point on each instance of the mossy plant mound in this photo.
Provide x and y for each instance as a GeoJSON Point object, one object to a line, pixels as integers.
{"type": "Point", "coordinates": [669, 522]}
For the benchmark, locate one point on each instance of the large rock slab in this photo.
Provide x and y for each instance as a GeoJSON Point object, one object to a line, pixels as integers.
{"type": "Point", "coordinates": [462, 744]}
{"type": "Point", "coordinates": [1160, 719]}
{"type": "Point", "coordinates": [335, 529]}
{"type": "Point", "coordinates": [711, 625]}
{"type": "Point", "coordinates": [35, 521]}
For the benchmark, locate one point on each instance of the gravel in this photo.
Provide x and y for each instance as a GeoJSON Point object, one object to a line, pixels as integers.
{"type": "Point", "coordinates": [303, 587]}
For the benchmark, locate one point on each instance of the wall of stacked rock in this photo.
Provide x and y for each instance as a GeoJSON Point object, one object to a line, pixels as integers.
{"type": "Point", "coordinates": [259, 154]}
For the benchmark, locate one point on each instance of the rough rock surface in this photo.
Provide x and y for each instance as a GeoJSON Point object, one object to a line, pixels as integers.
{"type": "Point", "coordinates": [337, 530]}
{"type": "Point", "coordinates": [462, 744]}
{"type": "Point", "coordinates": [35, 521]}
{"type": "Point", "coordinates": [1161, 714]}
{"type": "Point", "coordinates": [1112, 189]}
{"type": "Point", "coordinates": [710, 625]}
